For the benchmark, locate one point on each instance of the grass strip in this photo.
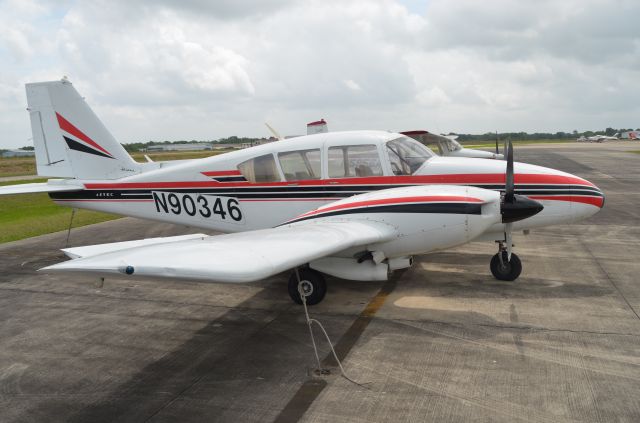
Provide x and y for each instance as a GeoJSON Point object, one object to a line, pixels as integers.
{"type": "Point", "coordinates": [26, 215]}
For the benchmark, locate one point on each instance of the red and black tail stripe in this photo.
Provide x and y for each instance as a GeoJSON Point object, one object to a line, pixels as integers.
{"type": "Point", "coordinates": [86, 146]}
{"type": "Point", "coordinates": [75, 145]}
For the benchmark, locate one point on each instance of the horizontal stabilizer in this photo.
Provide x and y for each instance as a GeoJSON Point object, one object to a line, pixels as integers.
{"type": "Point", "coordinates": [234, 258]}
{"type": "Point", "coordinates": [38, 187]}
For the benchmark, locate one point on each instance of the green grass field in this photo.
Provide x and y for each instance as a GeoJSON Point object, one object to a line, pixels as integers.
{"type": "Point", "coordinates": [17, 166]}
{"type": "Point", "coordinates": [21, 166]}
{"type": "Point", "coordinates": [26, 215]}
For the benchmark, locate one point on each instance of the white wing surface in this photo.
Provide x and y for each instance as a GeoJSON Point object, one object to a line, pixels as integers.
{"type": "Point", "coordinates": [233, 258]}
{"type": "Point", "coordinates": [92, 250]}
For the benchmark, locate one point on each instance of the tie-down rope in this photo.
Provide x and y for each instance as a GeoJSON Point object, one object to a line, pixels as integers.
{"type": "Point", "coordinates": [310, 321]}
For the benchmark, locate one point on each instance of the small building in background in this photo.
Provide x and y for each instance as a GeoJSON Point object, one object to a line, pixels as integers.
{"type": "Point", "coordinates": [317, 127]}
{"type": "Point", "coordinates": [630, 135]}
{"type": "Point", "coordinates": [220, 146]}
{"type": "Point", "coordinates": [18, 153]}
{"type": "Point", "coordinates": [258, 142]}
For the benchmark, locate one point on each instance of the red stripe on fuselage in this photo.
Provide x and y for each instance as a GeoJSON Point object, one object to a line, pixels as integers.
{"type": "Point", "coordinates": [396, 200]}
{"type": "Point", "coordinates": [456, 179]}
{"type": "Point", "coordinates": [594, 201]}
{"type": "Point", "coordinates": [67, 126]}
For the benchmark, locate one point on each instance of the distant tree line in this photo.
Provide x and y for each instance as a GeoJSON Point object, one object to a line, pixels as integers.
{"type": "Point", "coordinates": [141, 146]}
{"type": "Point", "coordinates": [522, 136]}
{"type": "Point", "coordinates": [489, 136]}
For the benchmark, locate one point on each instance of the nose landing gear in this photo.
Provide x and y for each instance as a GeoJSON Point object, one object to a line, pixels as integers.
{"type": "Point", "coordinates": [504, 269]}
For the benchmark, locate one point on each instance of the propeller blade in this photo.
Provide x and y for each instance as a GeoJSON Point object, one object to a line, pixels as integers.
{"type": "Point", "coordinates": [497, 139]}
{"type": "Point", "coordinates": [509, 190]}
{"type": "Point", "coordinates": [515, 207]}
{"type": "Point", "coordinates": [508, 239]}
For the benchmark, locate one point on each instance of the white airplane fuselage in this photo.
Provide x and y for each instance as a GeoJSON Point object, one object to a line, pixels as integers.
{"type": "Point", "coordinates": [212, 193]}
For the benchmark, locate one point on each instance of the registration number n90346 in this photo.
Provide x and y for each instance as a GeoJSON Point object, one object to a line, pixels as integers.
{"type": "Point", "coordinates": [201, 206]}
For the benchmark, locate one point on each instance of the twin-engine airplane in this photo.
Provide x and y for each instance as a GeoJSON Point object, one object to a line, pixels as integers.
{"type": "Point", "coordinates": [355, 205]}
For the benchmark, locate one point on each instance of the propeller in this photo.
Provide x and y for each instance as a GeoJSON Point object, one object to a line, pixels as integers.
{"type": "Point", "coordinates": [497, 139]}
{"type": "Point", "coordinates": [514, 207]}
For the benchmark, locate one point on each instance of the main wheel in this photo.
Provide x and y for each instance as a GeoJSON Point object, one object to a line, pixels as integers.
{"type": "Point", "coordinates": [313, 286]}
{"type": "Point", "coordinates": [509, 271]}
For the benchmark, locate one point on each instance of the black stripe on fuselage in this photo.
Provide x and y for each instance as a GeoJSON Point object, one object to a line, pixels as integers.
{"type": "Point", "coordinates": [421, 208]}
{"type": "Point", "coordinates": [75, 145]}
{"type": "Point", "coordinates": [230, 179]}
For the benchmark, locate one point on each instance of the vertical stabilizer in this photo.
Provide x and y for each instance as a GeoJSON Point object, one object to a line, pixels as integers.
{"type": "Point", "coordinates": [69, 139]}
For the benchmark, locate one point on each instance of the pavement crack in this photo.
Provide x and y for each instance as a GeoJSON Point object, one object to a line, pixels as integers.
{"type": "Point", "coordinates": [609, 278]}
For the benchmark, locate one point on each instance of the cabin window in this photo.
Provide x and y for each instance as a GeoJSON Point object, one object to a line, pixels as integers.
{"type": "Point", "coordinates": [300, 165]}
{"type": "Point", "coordinates": [260, 169]}
{"type": "Point", "coordinates": [406, 156]}
{"type": "Point", "coordinates": [351, 161]}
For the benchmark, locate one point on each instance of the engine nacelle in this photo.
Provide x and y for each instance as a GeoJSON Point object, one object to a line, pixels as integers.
{"type": "Point", "coordinates": [350, 269]}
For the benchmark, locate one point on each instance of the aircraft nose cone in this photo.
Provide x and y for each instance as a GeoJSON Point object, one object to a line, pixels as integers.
{"type": "Point", "coordinates": [520, 208]}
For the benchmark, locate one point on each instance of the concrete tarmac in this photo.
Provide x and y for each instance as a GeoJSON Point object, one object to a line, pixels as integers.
{"type": "Point", "coordinates": [442, 342]}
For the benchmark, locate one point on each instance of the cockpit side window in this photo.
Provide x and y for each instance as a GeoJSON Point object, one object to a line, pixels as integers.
{"type": "Point", "coordinates": [406, 156]}
{"type": "Point", "coordinates": [352, 161]}
{"type": "Point", "coordinates": [300, 165]}
{"type": "Point", "coordinates": [260, 169]}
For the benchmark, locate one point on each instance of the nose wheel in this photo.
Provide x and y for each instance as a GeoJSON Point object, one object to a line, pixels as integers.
{"type": "Point", "coordinates": [312, 285]}
{"type": "Point", "coordinates": [504, 269]}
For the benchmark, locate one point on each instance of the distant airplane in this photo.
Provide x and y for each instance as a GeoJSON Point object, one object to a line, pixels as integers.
{"type": "Point", "coordinates": [448, 145]}
{"type": "Point", "coordinates": [355, 205]}
{"type": "Point", "coordinates": [599, 138]}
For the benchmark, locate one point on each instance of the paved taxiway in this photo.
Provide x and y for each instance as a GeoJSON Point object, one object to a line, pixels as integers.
{"type": "Point", "coordinates": [445, 342]}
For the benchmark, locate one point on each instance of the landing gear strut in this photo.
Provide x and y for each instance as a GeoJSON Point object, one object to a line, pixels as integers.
{"type": "Point", "coordinates": [503, 268]}
{"type": "Point", "coordinates": [312, 283]}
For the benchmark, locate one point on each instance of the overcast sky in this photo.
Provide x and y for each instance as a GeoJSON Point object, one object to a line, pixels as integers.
{"type": "Point", "coordinates": [199, 69]}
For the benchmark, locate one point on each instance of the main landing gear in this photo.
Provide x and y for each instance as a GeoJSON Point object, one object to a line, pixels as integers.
{"type": "Point", "coordinates": [313, 286]}
{"type": "Point", "coordinates": [503, 268]}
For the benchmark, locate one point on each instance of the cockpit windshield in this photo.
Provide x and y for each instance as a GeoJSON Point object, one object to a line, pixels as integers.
{"type": "Point", "coordinates": [407, 155]}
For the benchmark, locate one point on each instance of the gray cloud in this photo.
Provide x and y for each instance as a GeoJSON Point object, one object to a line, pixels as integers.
{"type": "Point", "coordinates": [200, 69]}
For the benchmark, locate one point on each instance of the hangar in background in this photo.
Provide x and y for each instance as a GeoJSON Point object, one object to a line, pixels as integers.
{"type": "Point", "coordinates": [18, 153]}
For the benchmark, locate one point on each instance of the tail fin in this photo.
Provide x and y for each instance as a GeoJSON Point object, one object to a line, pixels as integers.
{"type": "Point", "coordinates": [70, 141]}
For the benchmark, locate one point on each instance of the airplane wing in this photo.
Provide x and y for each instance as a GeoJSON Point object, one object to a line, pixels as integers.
{"type": "Point", "coordinates": [37, 187]}
{"type": "Point", "coordinates": [234, 258]}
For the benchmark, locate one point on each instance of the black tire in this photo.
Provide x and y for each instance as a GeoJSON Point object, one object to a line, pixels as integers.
{"type": "Point", "coordinates": [317, 284]}
{"type": "Point", "coordinates": [510, 271]}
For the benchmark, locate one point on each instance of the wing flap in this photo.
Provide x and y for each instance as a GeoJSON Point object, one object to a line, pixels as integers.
{"type": "Point", "coordinates": [92, 250]}
{"type": "Point", "coordinates": [232, 258]}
